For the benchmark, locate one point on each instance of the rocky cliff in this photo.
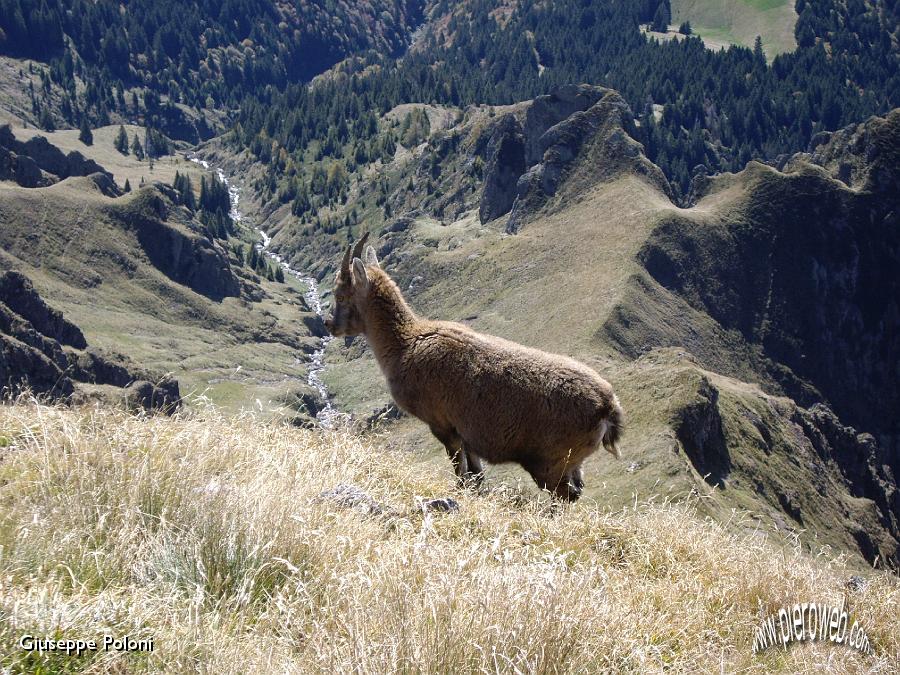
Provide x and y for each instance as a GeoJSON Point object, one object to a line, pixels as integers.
{"type": "Point", "coordinates": [791, 279]}
{"type": "Point", "coordinates": [174, 247]}
{"type": "Point", "coordinates": [44, 353]}
{"type": "Point", "coordinates": [808, 271]}
{"type": "Point", "coordinates": [579, 135]}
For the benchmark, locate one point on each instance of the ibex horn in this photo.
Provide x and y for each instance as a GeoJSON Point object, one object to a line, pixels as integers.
{"type": "Point", "coordinates": [358, 249]}
{"type": "Point", "coordinates": [345, 263]}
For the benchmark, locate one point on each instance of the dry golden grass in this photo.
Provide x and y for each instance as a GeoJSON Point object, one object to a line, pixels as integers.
{"type": "Point", "coordinates": [205, 533]}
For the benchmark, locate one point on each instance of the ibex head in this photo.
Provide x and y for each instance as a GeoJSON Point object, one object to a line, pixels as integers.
{"type": "Point", "coordinates": [351, 287]}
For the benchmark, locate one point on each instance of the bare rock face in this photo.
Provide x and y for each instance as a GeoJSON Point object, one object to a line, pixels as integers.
{"type": "Point", "coordinates": [79, 165]}
{"type": "Point", "coordinates": [506, 162]}
{"type": "Point", "coordinates": [14, 326]}
{"type": "Point", "coordinates": [43, 352]}
{"type": "Point", "coordinates": [865, 156]}
{"type": "Point", "coordinates": [698, 427]}
{"type": "Point", "coordinates": [17, 293]}
{"type": "Point", "coordinates": [596, 140]}
{"type": "Point", "coordinates": [315, 325]}
{"type": "Point", "coordinates": [865, 464]}
{"type": "Point", "coordinates": [810, 274]}
{"type": "Point", "coordinates": [551, 109]}
{"type": "Point", "coordinates": [184, 256]}
{"type": "Point", "coordinates": [805, 274]}
{"type": "Point", "coordinates": [24, 366]}
{"type": "Point", "coordinates": [22, 170]}
{"type": "Point", "coordinates": [161, 395]}
{"type": "Point", "coordinates": [796, 459]}
{"type": "Point", "coordinates": [96, 368]}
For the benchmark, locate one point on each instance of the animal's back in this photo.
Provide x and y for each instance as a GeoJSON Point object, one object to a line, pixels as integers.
{"type": "Point", "coordinates": [505, 400]}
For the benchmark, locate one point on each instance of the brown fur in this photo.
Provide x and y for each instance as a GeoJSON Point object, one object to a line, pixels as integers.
{"type": "Point", "coordinates": [483, 397]}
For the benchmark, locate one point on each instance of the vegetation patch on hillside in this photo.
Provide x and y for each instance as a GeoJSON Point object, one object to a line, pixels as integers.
{"type": "Point", "coordinates": [738, 22]}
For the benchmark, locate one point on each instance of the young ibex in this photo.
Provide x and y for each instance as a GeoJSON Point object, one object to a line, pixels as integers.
{"type": "Point", "coordinates": [483, 397]}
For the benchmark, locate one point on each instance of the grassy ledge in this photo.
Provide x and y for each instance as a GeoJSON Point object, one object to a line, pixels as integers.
{"type": "Point", "coordinates": [204, 532]}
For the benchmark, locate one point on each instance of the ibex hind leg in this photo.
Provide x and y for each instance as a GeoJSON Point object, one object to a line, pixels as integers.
{"type": "Point", "coordinates": [563, 480]}
{"type": "Point", "coordinates": [475, 475]}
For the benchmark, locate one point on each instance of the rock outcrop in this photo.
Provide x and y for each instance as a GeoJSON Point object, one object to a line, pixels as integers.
{"type": "Point", "coordinates": [38, 163]}
{"type": "Point", "coordinates": [585, 147]}
{"type": "Point", "coordinates": [791, 279]}
{"type": "Point", "coordinates": [810, 273]}
{"type": "Point", "coordinates": [43, 352]}
{"type": "Point", "coordinates": [865, 156]}
{"type": "Point", "coordinates": [19, 296]}
{"type": "Point", "coordinates": [183, 255]}
{"type": "Point", "coordinates": [800, 462]}
{"type": "Point", "coordinates": [549, 110]}
{"type": "Point", "coordinates": [505, 163]}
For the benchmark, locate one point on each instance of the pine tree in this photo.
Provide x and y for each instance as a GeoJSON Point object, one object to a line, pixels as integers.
{"type": "Point", "coordinates": [137, 148]}
{"type": "Point", "coordinates": [46, 120]}
{"type": "Point", "coordinates": [758, 52]}
{"type": "Point", "coordinates": [121, 142]}
{"type": "Point", "coordinates": [685, 28]}
{"type": "Point", "coordinates": [85, 135]}
{"type": "Point", "coordinates": [661, 18]}
{"type": "Point", "coordinates": [127, 187]}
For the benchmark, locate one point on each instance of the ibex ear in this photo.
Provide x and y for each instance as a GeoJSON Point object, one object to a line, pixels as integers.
{"type": "Point", "coordinates": [360, 278]}
{"type": "Point", "coordinates": [371, 258]}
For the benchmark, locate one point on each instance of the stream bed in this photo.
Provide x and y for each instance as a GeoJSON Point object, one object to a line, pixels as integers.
{"type": "Point", "coordinates": [328, 416]}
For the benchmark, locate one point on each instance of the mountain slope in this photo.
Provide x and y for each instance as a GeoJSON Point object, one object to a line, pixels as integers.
{"type": "Point", "coordinates": [140, 273]}
{"type": "Point", "coordinates": [178, 66]}
{"type": "Point", "coordinates": [604, 267]}
{"type": "Point", "coordinates": [44, 354]}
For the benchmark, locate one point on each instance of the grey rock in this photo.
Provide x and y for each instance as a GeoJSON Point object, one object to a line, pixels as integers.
{"type": "Point", "coordinates": [551, 109]}
{"type": "Point", "coordinates": [17, 293]}
{"type": "Point", "coordinates": [32, 356]}
{"type": "Point", "coordinates": [439, 505]}
{"type": "Point", "coordinates": [184, 256]}
{"type": "Point", "coordinates": [33, 162]}
{"type": "Point", "coordinates": [315, 324]}
{"type": "Point", "coordinates": [505, 164]}
{"type": "Point", "coordinates": [28, 173]}
{"type": "Point", "coordinates": [597, 140]}
{"type": "Point", "coordinates": [352, 497]}
{"type": "Point", "coordinates": [163, 395]}
{"type": "Point", "coordinates": [385, 413]}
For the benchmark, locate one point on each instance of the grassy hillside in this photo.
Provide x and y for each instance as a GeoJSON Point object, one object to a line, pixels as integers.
{"type": "Point", "coordinates": [122, 167]}
{"type": "Point", "coordinates": [238, 565]}
{"type": "Point", "coordinates": [112, 265]}
{"type": "Point", "coordinates": [560, 285]}
{"type": "Point", "coordinates": [738, 22]}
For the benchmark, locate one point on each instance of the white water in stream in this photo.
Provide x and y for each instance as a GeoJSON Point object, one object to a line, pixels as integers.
{"type": "Point", "coordinates": [328, 417]}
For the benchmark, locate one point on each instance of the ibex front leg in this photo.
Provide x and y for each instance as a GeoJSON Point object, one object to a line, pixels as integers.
{"type": "Point", "coordinates": [453, 444]}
